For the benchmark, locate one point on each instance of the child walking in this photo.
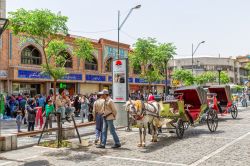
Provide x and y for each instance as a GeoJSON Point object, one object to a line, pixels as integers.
{"type": "Point", "coordinates": [49, 108]}
{"type": "Point", "coordinates": [19, 121]}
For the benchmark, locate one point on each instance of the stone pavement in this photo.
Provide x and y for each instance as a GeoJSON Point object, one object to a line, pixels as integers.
{"type": "Point", "coordinates": [228, 146]}
{"type": "Point", "coordinates": [9, 126]}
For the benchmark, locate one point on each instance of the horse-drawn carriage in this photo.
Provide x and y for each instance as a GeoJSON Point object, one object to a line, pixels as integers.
{"type": "Point", "coordinates": [189, 107]}
{"type": "Point", "coordinates": [219, 97]}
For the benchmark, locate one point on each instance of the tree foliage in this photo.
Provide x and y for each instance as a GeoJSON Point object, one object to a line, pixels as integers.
{"type": "Point", "coordinates": [224, 77]}
{"type": "Point", "coordinates": [184, 76]}
{"type": "Point", "coordinates": [206, 77]}
{"type": "Point", "coordinates": [152, 57]}
{"type": "Point", "coordinates": [48, 30]}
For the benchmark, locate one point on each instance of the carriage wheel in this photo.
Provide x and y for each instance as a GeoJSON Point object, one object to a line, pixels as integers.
{"type": "Point", "coordinates": [180, 128]}
{"type": "Point", "coordinates": [186, 125]}
{"type": "Point", "coordinates": [212, 120]}
{"type": "Point", "coordinates": [234, 111]}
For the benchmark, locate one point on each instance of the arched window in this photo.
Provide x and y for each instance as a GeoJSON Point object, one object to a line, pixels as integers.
{"type": "Point", "coordinates": [150, 67]}
{"type": "Point", "coordinates": [91, 65]}
{"type": "Point", "coordinates": [137, 69]}
{"type": "Point", "coordinates": [69, 62]}
{"type": "Point", "coordinates": [108, 65]}
{"type": "Point", "coordinates": [31, 55]}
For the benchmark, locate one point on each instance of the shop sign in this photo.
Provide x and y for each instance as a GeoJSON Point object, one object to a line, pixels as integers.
{"type": "Point", "coordinates": [140, 80]}
{"type": "Point", "coordinates": [120, 80]}
{"type": "Point", "coordinates": [130, 80]}
{"type": "Point", "coordinates": [72, 77]}
{"type": "Point", "coordinates": [110, 79]}
{"type": "Point", "coordinates": [168, 82]}
{"type": "Point", "coordinates": [32, 74]}
{"type": "Point", "coordinates": [3, 73]}
{"type": "Point", "coordinates": [98, 78]}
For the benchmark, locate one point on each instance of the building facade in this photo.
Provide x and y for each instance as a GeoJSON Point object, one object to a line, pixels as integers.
{"type": "Point", "coordinates": [235, 69]}
{"type": "Point", "coordinates": [20, 68]}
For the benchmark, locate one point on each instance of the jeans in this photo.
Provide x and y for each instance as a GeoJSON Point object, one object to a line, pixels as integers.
{"type": "Point", "coordinates": [97, 134]}
{"type": "Point", "coordinates": [31, 126]}
{"type": "Point", "coordinates": [68, 111]}
{"type": "Point", "coordinates": [62, 111]}
{"type": "Point", "coordinates": [18, 127]}
{"type": "Point", "coordinates": [49, 121]}
{"type": "Point", "coordinates": [109, 124]}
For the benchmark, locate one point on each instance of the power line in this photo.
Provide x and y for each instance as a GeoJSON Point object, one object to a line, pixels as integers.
{"type": "Point", "coordinates": [101, 31]}
{"type": "Point", "coordinates": [128, 35]}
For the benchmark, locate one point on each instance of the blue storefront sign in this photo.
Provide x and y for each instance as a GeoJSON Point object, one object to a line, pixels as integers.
{"type": "Point", "coordinates": [164, 81]}
{"type": "Point", "coordinates": [110, 79]}
{"type": "Point", "coordinates": [140, 80]}
{"type": "Point", "coordinates": [40, 75]}
{"type": "Point", "coordinates": [130, 80]}
{"type": "Point", "coordinates": [98, 78]}
{"type": "Point", "coordinates": [77, 77]}
{"type": "Point", "coordinates": [32, 74]}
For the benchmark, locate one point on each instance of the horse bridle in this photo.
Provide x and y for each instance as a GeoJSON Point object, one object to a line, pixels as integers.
{"type": "Point", "coordinates": [134, 113]}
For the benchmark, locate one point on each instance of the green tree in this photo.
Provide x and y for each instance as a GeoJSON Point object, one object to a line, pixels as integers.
{"type": "Point", "coordinates": [184, 76]}
{"type": "Point", "coordinates": [48, 30]}
{"type": "Point", "coordinates": [224, 77]}
{"type": "Point", "coordinates": [206, 77]}
{"type": "Point", "coordinates": [152, 57]}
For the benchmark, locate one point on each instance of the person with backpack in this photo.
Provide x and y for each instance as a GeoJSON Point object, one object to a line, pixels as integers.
{"type": "Point", "coordinates": [31, 114]}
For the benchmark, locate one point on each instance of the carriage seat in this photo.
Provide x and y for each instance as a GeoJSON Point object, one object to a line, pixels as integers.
{"type": "Point", "coordinates": [194, 112]}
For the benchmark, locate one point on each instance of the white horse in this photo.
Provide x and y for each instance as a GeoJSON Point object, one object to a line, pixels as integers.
{"type": "Point", "coordinates": [144, 114]}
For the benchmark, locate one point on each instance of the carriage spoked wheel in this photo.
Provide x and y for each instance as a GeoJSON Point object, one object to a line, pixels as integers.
{"type": "Point", "coordinates": [180, 128]}
{"type": "Point", "coordinates": [186, 125]}
{"type": "Point", "coordinates": [212, 120]}
{"type": "Point", "coordinates": [234, 111]}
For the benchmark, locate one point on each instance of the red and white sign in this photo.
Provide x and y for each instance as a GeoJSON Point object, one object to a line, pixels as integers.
{"type": "Point", "coordinates": [119, 80]}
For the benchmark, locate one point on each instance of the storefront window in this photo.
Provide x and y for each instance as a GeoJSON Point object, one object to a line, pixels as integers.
{"type": "Point", "coordinates": [108, 65]}
{"type": "Point", "coordinates": [91, 65]}
{"type": "Point", "coordinates": [30, 55]}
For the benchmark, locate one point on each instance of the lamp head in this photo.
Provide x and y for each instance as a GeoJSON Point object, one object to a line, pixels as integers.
{"type": "Point", "coordinates": [137, 7]}
{"type": "Point", "coordinates": [203, 42]}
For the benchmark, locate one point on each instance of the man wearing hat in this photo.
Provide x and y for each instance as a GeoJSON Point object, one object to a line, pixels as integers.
{"type": "Point", "coordinates": [98, 116]}
{"type": "Point", "coordinates": [109, 115]}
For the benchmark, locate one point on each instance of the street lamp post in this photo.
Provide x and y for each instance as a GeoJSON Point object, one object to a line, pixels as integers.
{"type": "Point", "coordinates": [193, 52]}
{"type": "Point", "coordinates": [120, 26]}
{"type": "Point", "coordinates": [219, 69]}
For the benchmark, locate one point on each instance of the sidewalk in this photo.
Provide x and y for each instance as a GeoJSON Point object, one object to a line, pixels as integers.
{"type": "Point", "coordinates": [9, 127]}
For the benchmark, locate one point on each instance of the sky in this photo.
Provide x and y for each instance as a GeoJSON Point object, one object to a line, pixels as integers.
{"type": "Point", "coordinates": [224, 25]}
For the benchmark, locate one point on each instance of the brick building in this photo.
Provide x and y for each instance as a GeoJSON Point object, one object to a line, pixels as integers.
{"type": "Point", "coordinates": [20, 68]}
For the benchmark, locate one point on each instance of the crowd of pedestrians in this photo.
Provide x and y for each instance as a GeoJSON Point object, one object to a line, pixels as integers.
{"type": "Point", "coordinates": [31, 111]}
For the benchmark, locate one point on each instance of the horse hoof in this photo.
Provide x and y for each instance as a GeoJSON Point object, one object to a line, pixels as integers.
{"type": "Point", "coordinates": [151, 140]}
{"type": "Point", "coordinates": [155, 141]}
{"type": "Point", "coordinates": [139, 145]}
{"type": "Point", "coordinates": [143, 145]}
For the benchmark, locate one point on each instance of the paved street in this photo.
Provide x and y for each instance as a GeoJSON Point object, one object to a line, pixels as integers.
{"type": "Point", "coordinates": [228, 146]}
